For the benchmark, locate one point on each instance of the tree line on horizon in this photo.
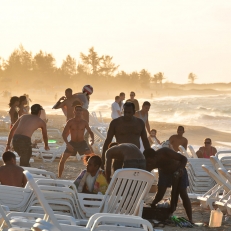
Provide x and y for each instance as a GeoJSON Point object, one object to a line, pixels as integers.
{"type": "Point", "coordinates": [40, 70]}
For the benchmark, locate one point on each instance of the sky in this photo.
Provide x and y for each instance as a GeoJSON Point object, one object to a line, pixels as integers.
{"type": "Point", "coordinates": [171, 36]}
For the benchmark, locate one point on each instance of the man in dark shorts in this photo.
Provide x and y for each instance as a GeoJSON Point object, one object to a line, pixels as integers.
{"type": "Point", "coordinates": [168, 163]}
{"type": "Point", "coordinates": [22, 131]}
{"type": "Point", "coordinates": [128, 154]}
{"type": "Point", "coordinates": [126, 129]}
{"type": "Point", "coordinates": [76, 127]}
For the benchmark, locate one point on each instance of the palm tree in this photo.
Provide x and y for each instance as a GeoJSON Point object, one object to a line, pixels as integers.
{"type": "Point", "coordinates": [158, 77]}
{"type": "Point", "coordinates": [192, 77]}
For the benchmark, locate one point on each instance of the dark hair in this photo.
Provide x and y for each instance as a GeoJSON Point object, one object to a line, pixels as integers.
{"type": "Point", "coordinates": [154, 130]}
{"type": "Point", "coordinates": [112, 144]}
{"type": "Point", "coordinates": [149, 153]}
{"type": "Point", "coordinates": [68, 90]}
{"type": "Point", "coordinates": [117, 97]}
{"type": "Point", "coordinates": [180, 127]}
{"type": "Point", "coordinates": [122, 93]}
{"type": "Point", "coordinates": [146, 103]}
{"type": "Point", "coordinates": [22, 98]}
{"type": "Point", "coordinates": [97, 160]}
{"type": "Point", "coordinates": [133, 92]}
{"type": "Point", "coordinates": [35, 109]}
{"type": "Point", "coordinates": [208, 139]}
{"type": "Point", "coordinates": [129, 104]}
{"type": "Point", "coordinates": [7, 156]}
{"type": "Point", "coordinates": [13, 100]}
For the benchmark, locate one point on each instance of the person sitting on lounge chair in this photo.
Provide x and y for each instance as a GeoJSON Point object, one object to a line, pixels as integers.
{"type": "Point", "coordinates": [92, 179]}
{"type": "Point", "coordinates": [10, 173]}
{"type": "Point", "coordinates": [207, 150]}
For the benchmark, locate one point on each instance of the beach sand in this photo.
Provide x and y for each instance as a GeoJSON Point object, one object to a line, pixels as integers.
{"type": "Point", "coordinates": [195, 136]}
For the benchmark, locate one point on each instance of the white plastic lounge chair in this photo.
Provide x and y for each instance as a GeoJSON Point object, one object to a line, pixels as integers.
{"type": "Point", "coordinates": [184, 152]}
{"type": "Point", "coordinates": [14, 197]}
{"type": "Point", "coordinates": [213, 195]}
{"type": "Point", "coordinates": [125, 194]}
{"type": "Point", "coordinates": [193, 153]}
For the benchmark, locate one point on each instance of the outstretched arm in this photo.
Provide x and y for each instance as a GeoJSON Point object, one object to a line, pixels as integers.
{"type": "Point", "coordinates": [45, 136]}
{"type": "Point", "coordinates": [110, 134]}
{"type": "Point", "coordinates": [148, 126]}
{"type": "Point", "coordinates": [90, 132]}
{"type": "Point", "coordinates": [144, 137]}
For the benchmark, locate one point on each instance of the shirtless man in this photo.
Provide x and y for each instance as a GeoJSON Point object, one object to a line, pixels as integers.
{"type": "Point", "coordinates": [129, 154]}
{"type": "Point", "coordinates": [76, 127]}
{"type": "Point", "coordinates": [126, 129]}
{"type": "Point", "coordinates": [143, 114]}
{"type": "Point", "coordinates": [10, 173]}
{"type": "Point", "coordinates": [176, 140]}
{"type": "Point", "coordinates": [168, 161]}
{"type": "Point", "coordinates": [66, 103]}
{"type": "Point", "coordinates": [22, 131]}
{"type": "Point", "coordinates": [207, 150]}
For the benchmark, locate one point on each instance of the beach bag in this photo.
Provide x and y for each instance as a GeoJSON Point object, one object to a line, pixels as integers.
{"type": "Point", "coordinates": [159, 214]}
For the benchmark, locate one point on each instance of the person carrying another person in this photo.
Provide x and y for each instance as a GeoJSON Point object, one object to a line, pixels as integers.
{"type": "Point", "coordinates": [92, 179]}
{"type": "Point", "coordinates": [178, 139]}
{"type": "Point", "coordinates": [76, 127]}
{"type": "Point", "coordinates": [152, 138]}
{"type": "Point", "coordinates": [14, 103]}
{"type": "Point", "coordinates": [126, 129]}
{"type": "Point", "coordinates": [143, 114]}
{"type": "Point", "coordinates": [22, 131]}
{"type": "Point", "coordinates": [134, 101]}
{"type": "Point", "coordinates": [115, 108]}
{"type": "Point", "coordinates": [122, 98]}
{"type": "Point", "coordinates": [169, 163]}
{"type": "Point", "coordinates": [207, 150]}
{"type": "Point", "coordinates": [10, 173]}
{"type": "Point", "coordinates": [22, 103]}
{"type": "Point", "coordinates": [128, 154]}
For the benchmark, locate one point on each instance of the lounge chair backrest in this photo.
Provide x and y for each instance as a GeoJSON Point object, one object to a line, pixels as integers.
{"type": "Point", "coordinates": [184, 152]}
{"type": "Point", "coordinates": [126, 191]}
{"type": "Point", "coordinates": [225, 174]}
{"type": "Point", "coordinates": [190, 147]}
{"type": "Point", "coordinates": [49, 214]}
{"type": "Point", "coordinates": [217, 178]}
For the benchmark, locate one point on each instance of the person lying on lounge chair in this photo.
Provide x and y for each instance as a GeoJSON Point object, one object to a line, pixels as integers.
{"type": "Point", "coordinates": [10, 173]}
{"type": "Point", "coordinates": [92, 179]}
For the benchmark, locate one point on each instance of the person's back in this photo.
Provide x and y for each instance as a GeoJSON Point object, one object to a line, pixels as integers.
{"type": "Point", "coordinates": [10, 173]}
{"type": "Point", "coordinates": [31, 122]}
{"type": "Point", "coordinates": [115, 108]}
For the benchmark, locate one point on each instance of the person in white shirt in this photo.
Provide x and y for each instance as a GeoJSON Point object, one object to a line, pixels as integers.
{"type": "Point", "coordinates": [121, 103]}
{"type": "Point", "coordinates": [115, 108]}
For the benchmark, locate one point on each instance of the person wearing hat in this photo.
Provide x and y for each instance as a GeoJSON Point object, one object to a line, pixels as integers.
{"type": "Point", "coordinates": [21, 133]}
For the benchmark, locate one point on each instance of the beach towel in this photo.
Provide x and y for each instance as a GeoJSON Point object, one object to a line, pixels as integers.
{"type": "Point", "coordinates": [100, 182]}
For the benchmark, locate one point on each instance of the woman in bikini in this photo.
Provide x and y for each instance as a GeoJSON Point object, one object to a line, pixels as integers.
{"type": "Point", "coordinates": [14, 102]}
{"type": "Point", "coordinates": [207, 150]}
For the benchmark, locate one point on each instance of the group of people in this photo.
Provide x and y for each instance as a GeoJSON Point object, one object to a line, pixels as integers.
{"type": "Point", "coordinates": [130, 129]}
{"type": "Point", "coordinates": [18, 106]}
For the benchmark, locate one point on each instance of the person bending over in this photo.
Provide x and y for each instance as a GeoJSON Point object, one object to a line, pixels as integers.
{"type": "Point", "coordinates": [92, 179]}
{"type": "Point", "coordinates": [168, 162]}
{"type": "Point", "coordinates": [207, 150]}
{"type": "Point", "coordinates": [128, 154]}
{"type": "Point", "coordinates": [76, 127]}
{"type": "Point", "coordinates": [10, 173]}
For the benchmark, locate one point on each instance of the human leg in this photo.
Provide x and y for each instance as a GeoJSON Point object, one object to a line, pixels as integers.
{"type": "Point", "coordinates": [62, 162]}
{"type": "Point", "coordinates": [186, 202]}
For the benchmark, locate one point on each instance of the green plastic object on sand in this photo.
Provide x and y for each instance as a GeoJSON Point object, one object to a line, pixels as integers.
{"type": "Point", "coordinates": [51, 141]}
